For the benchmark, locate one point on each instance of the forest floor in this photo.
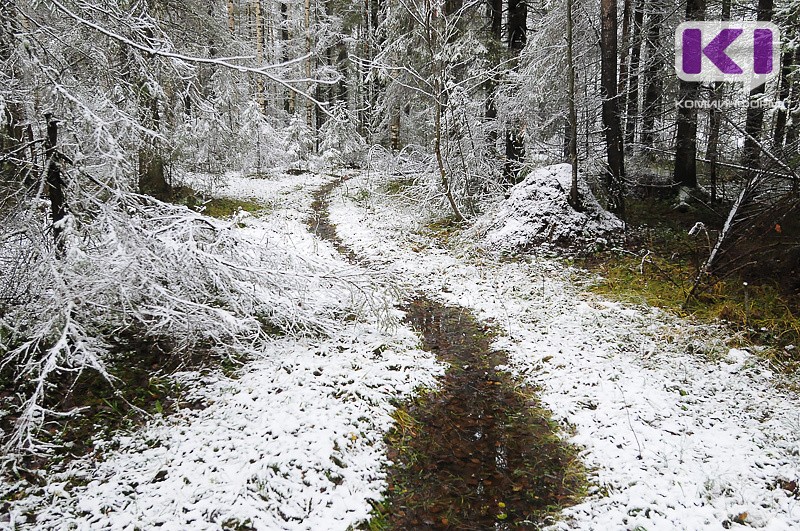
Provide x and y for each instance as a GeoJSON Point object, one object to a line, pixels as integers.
{"type": "Point", "coordinates": [675, 429]}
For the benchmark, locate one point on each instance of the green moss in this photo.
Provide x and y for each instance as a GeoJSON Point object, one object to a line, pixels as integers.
{"type": "Point", "coordinates": [763, 314]}
{"type": "Point", "coordinates": [216, 207]}
{"type": "Point", "coordinates": [397, 186]}
{"type": "Point", "coordinates": [225, 208]}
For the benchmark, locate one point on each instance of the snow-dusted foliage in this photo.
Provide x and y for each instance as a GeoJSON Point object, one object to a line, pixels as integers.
{"type": "Point", "coordinates": [537, 213]}
{"type": "Point", "coordinates": [341, 145]}
{"type": "Point", "coordinates": [437, 76]}
{"type": "Point", "coordinates": [137, 267]}
{"type": "Point", "coordinates": [300, 139]}
{"type": "Point", "coordinates": [142, 91]}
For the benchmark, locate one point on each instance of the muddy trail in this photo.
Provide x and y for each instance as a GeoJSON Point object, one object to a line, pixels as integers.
{"type": "Point", "coordinates": [478, 452]}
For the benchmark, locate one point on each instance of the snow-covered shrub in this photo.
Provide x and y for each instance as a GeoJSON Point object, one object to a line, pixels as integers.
{"type": "Point", "coordinates": [134, 265]}
{"type": "Point", "coordinates": [341, 145]}
{"type": "Point", "coordinates": [537, 213]}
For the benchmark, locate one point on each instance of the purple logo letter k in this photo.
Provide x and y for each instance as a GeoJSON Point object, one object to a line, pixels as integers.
{"type": "Point", "coordinates": [715, 51]}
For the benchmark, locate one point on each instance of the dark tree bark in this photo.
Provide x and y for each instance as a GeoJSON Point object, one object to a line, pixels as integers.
{"type": "Point", "coordinates": [517, 24]}
{"type": "Point", "coordinates": [624, 50]}
{"type": "Point", "coordinates": [517, 37]}
{"type": "Point", "coordinates": [15, 127]}
{"type": "Point", "coordinates": [572, 119]}
{"type": "Point", "coordinates": [490, 114]}
{"type": "Point", "coordinates": [495, 46]}
{"type": "Point", "coordinates": [651, 105]}
{"type": "Point", "coordinates": [394, 130]}
{"type": "Point", "coordinates": [515, 154]}
{"type": "Point", "coordinates": [611, 115]}
{"type": "Point", "coordinates": [343, 93]}
{"type": "Point", "coordinates": [793, 107]}
{"type": "Point", "coordinates": [632, 96]}
{"type": "Point", "coordinates": [152, 179]}
{"type": "Point", "coordinates": [685, 168]}
{"type": "Point", "coordinates": [715, 120]}
{"type": "Point", "coordinates": [755, 114]}
{"type": "Point", "coordinates": [55, 184]}
{"type": "Point", "coordinates": [496, 7]}
{"type": "Point", "coordinates": [288, 95]}
{"type": "Point", "coordinates": [452, 6]}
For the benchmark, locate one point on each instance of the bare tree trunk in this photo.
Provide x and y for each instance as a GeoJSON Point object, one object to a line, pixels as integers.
{"type": "Point", "coordinates": [259, 21]}
{"type": "Point", "coordinates": [343, 90]}
{"type": "Point", "coordinates": [685, 168]}
{"type": "Point", "coordinates": [517, 37]}
{"type": "Point", "coordinates": [289, 96]}
{"type": "Point", "coordinates": [755, 113]}
{"type": "Point", "coordinates": [574, 197]}
{"type": "Point", "coordinates": [490, 114]}
{"type": "Point", "coordinates": [394, 130]}
{"type": "Point", "coordinates": [779, 131]}
{"type": "Point", "coordinates": [651, 106]}
{"type": "Point", "coordinates": [517, 24]}
{"type": "Point", "coordinates": [715, 120]}
{"type": "Point", "coordinates": [152, 180]}
{"type": "Point", "coordinates": [496, 36]}
{"type": "Point", "coordinates": [432, 35]}
{"type": "Point", "coordinates": [448, 192]}
{"type": "Point", "coordinates": [231, 17]}
{"type": "Point", "coordinates": [793, 107]}
{"type": "Point", "coordinates": [611, 115]}
{"type": "Point", "coordinates": [632, 98]}
{"type": "Point", "coordinates": [55, 184]}
{"type": "Point", "coordinates": [309, 49]}
{"type": "Point", "coordinates": [12, 137]}
{"type": "Point", "coordinates": [624, 49]}
{"type": "Point", "coordinates": [496, 7]}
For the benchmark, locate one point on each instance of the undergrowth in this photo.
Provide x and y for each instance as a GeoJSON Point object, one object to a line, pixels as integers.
{"type": "Point", "coordinates": [660, 264]}
{"type": "Point", "coordinates": [216, 207]}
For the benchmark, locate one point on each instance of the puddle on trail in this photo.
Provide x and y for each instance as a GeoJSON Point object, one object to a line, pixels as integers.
{"type": "Point", "coordinates": [478, 452]}
{"type": "Point", "coordinates": [319, 222]}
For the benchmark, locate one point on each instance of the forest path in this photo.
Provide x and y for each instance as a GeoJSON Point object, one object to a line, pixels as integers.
{"type": "Point", "coordinates": [678, 428]}
{"type": "Point", "coordinates": [478, 451]}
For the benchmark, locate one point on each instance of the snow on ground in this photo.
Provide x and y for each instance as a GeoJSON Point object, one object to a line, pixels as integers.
{"type": "Point", "coordinates": [680, 431]}
{"type": "Point", "coordinates": [294, 442]}
{"type": "Point", "coordinates": [537, 212]}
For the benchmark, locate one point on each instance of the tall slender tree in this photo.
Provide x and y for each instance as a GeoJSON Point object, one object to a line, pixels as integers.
{"type": "Point", "coordinates": [651, 103]}
{"type": "Point", "coordinates": [631, 99]}
{"type": "Point", "coordinates": [611, 116]}
{"type": "Point", "coordinates": [784, 91]}
{"type": "Point", "coordinates": [755, 113]}
{"type": "Point", "coordinates": [572, 119]}
{"type": "Point", "coordinates": [685, 167]}
{"type": "Point", "coordinates": [517, 37]}
{"type": "Point", "coordinates": [715, 120]}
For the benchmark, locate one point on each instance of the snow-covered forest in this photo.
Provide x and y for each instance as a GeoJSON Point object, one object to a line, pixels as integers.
{"type": "Point", "coordinates": [398, 264]}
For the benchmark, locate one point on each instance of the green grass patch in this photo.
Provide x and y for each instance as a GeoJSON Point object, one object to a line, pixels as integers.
{"type": "Point", "coordinates": [443, 229]}
{"type": "Point", "coordinates": [660, 264]}
{"type": "Point", "coordinates": [216, 207]}
{"type": "Point", "coordinates": [762, 312]}
{"type": "Point", "coordinates": [400, 185]}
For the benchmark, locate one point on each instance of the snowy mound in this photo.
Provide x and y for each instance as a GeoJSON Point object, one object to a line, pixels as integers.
{"type": "Point", "coordinates": [537, 213]}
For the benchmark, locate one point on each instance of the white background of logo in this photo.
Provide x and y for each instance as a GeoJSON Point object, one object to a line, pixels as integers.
{"type": "Point", "coordinates": [740, 51]}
